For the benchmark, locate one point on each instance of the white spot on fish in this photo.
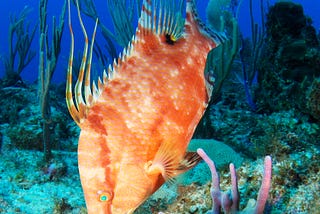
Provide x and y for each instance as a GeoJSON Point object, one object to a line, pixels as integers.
{"type": "Point", "coordinates": [189, 60]}
{"type": "Point", "coordinates": [174, 73]}
{"type": "Point", "coordinates": [129, 124]}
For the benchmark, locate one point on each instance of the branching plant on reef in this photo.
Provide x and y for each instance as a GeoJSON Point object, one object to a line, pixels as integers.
{"type": "Point", "coordinates": [222, 57]}
{"type": "Point", "coordinates": [48, 56]}
{"type": "Point", "coordinates": [123, 14]}
{"type": "Point", "coordinates": [250, 60]}
{"type": "Point", "coordinates": [20, 53]}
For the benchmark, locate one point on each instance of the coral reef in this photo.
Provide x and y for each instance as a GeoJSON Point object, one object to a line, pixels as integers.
{"type": "Point", "coordinates": [290, 59]}
{"type": "Point", "coordinates": [285, 125]}
{"type": "Point", "coordinates": [23, 182]}
{"type": "Point", "coordinates": [18, 97]}
{"type": "Point", "coordinates": [252, 135]}
{"type": "Point", "coordinates": [20, 53]}
{"type": "Point", "coordinates": [219, 152]}
{"type": "Point", "coordinates": [313, 99]}
{"type": "Point", "coordinates": [23, 120]}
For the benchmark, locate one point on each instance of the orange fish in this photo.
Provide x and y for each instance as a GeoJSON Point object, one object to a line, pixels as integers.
{"type": "Point", "coordinates": [137, 122]}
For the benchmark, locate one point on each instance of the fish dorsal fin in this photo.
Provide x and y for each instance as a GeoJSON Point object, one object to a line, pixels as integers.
{"type": "Point", "coordinates": [161, 17]}
{"type": "Point", "coordinates": [169, 164]}
{"type": "Point", "coordinates": [84, 95]}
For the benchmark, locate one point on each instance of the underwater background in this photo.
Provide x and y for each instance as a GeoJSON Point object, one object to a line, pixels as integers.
{"type": "Point", "coordinates": [266, 102]}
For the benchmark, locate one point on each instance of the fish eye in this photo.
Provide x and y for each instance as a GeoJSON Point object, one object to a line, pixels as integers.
{"type": "Point", "coordinates": [170, 39]}
{"type": "Point", "coordinates": [105, 196]}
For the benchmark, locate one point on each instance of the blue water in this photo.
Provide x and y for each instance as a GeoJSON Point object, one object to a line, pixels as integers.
{"type": "Point", "coordinates": [30, 73]}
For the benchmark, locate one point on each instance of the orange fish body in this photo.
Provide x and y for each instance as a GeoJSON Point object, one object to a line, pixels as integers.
{"type": "Point", "coordinates": [137, 124]}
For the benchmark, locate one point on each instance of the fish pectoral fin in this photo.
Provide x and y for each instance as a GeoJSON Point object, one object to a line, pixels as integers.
{"type": "Point", "coordinates": [169, 164]}
{"type": "Point", "coordinates": [190, 160]}
{"type": "Point", "coordinates": [166, 161]}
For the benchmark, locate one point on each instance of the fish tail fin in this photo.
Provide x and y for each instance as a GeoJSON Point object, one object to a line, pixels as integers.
{"type": "Point", "coordinates": [78, 109]}
{"type": "Point", "coordinates": [193, 17]}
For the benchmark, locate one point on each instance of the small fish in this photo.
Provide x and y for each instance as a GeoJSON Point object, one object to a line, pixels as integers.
{"type": "Point", "coordinates": [137, 122]}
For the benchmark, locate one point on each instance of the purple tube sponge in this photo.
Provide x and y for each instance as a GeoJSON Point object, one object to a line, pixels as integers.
{"type": "Point", "coordinates": [229, 202]}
